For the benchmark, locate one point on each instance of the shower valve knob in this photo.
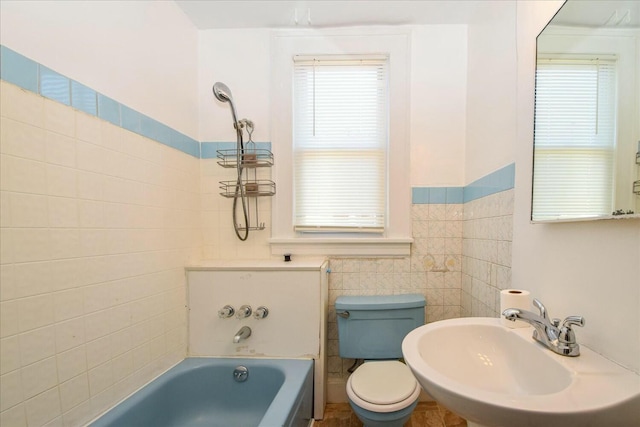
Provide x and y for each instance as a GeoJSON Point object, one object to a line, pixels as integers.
{"type": "Point", "coordinates": [244, 311]}
{"type": "Point", "coordinates": [226, 312]}
{"type": "Point", "coordinates": [261, 312]}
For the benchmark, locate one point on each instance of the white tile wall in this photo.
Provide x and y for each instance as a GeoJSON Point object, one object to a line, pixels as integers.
{"type": "Point", "coordinates": [96, 226]}
{"type": "Point", "coordinates": [486, 253]}
{"type": "Point", "coordinates": [219, 238]}
{"type": "Point", "coordinates": [433, 269]}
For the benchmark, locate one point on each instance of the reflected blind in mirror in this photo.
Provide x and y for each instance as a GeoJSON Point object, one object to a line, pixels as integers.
{"type": "Point", "coordinates": [574, 138]}
{"type": "Point", "coordinates": [340, 135]}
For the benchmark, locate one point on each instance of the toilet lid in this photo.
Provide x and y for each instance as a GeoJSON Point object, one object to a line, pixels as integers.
{"type": "Point", "coordinates": [383, 383]}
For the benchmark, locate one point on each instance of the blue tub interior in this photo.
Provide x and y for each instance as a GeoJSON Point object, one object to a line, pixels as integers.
{"type": "Point", "coordinates": [202, 392]}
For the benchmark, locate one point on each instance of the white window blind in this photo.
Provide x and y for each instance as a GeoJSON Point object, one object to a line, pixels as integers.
{"type": "Point", "coordinates": [575, 117]}
{"type": "Point", "coordinates": [340, 138]}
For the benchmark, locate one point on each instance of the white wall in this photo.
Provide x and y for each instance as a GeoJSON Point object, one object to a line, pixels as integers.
{"type": "Point", "coordinates": [491, 99]}
{"type": "Point", "coordinates": [584, 268]}
{"type": "Point", "coordinates": [438, 105]}
{"type": "Point", "coordinates": [141, 53]}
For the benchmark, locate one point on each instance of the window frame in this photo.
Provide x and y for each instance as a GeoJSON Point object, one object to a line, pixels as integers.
{"type": "Point", "coordinates": [396, 238]}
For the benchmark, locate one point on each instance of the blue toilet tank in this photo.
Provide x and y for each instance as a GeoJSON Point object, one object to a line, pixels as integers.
{"type": "Point", "coordinates": [373, 327]}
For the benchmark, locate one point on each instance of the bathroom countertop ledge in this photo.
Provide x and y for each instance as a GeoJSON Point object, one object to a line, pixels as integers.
{"type": "Point", "coordinates": [297, 263]}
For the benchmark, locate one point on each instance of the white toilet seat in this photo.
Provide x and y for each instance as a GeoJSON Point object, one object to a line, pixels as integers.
{"type": "Point", "coordinates": [383, 386]}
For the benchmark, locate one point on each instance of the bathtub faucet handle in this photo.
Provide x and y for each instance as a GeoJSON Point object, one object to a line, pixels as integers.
{"type": "Point", "coordinates": [261, 312]}
{"type": "Point", "coordinates": [226, 312]}
{"type": "Point", "coordinates": [244, 311]}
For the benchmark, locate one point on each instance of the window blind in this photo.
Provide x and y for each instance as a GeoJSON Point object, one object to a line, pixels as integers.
{"type": "Point", "coordinates": [340, 135]}
{"type": "Point", "coordinates": [575, 118]}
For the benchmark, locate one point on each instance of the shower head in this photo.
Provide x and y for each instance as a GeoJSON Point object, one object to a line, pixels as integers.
{"type": "Point", "coordinates": [223, 94]}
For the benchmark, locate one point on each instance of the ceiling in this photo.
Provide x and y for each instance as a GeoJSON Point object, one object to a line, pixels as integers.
{"type": "Point", "coordinates": [600, 13]}
{"type": "Point", "coordinates": [219, 14]}
{"type": "Point", "coordinates": [210, 14]}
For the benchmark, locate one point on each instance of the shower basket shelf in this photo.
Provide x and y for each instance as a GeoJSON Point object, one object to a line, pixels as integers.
{"type": "Point", "coordinates": [252, 188]}
{"type": "Point", "coordinates": [248, 158]}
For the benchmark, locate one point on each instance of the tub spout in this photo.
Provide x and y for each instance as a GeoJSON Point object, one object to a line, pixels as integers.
{"type": "Point", "coordinates": [242, 334]}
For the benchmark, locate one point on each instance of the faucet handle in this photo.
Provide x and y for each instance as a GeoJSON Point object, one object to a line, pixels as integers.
{"type": "Point", "coordinates": [541, 308]}
{"type": "Point", "coordinates": [567, 335]}
{"type": "Point", "coordinates": [573, 320]}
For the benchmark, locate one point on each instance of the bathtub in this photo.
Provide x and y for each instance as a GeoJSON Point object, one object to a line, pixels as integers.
{"type": "Point", "coordinates": [203, 392]}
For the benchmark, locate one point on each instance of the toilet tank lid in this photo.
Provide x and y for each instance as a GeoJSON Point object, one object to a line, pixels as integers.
{"type": "Point", "coordinates": [378, 302]}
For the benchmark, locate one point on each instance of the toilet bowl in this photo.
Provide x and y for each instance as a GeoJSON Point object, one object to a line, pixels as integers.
{"type": "Point", "coordinates": [383, 393]}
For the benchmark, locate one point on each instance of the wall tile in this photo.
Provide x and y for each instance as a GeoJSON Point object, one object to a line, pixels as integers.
{"type": "Point", "coordinates": [11, 390]}
{"type": "Point", "coordinates": [21, 139]}
{"type": "Point", "coordinates": [19, 70]}
{"type": "Point", "coordinates": [14, 416]}
{"type": "Point", "coordinates": [9, 354]}
{"type": "Point", "coordinates": [29, 210]}
{"type": "Point", "coordinates": [39, 377]}
{"type": "Point", "coordinates": [55, 86]}
{"type": "Point", "coordinates": [83, 98]}
{"type": "Point", "coordinates": [58, 118]}
{"type": "Point", "coordinates": [37, 344]}
{"type": "Point", "coordinates": [43, 408]}
{"type": "Point", "coordinates": [71, 363]}
{"type": "Point", "coordinates": [108, 109]}
{"type": "Point", "coordinates": [74, 391]}
{"type": "Point", "coordinates": [60, 149]}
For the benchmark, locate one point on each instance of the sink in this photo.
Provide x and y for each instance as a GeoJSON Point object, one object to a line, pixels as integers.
{"type": "Point", "coordinates": [495, 376]}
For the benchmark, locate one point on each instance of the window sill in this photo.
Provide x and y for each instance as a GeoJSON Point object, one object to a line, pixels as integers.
{"type": "Point", "coordinates": [366, 247]}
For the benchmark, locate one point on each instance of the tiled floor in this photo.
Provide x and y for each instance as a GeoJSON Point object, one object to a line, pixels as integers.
{"type": "Point", "coordinates": [426, 414]}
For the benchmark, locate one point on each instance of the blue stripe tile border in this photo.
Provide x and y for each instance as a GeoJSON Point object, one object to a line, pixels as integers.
{"type": "Point", "coordinates": [55, 86]}
{"type": "Point", "coordinates": [501, 180]}
{"type": "Point", "coordinates": [84, 98]}
{"type": "Point", "coordinates": [30, 75]}
{"type": "Point", "coordinates": [18, 69]}
{"type": "Point", "coordinates": [209, 149]}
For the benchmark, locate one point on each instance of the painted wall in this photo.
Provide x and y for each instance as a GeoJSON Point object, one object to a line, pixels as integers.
{"type": "Point", "coordinates": [584, 268]}
{"type": "Point", "coordinates": [491, 94]}
{"type": "Point", "coordinates": [140, 53]}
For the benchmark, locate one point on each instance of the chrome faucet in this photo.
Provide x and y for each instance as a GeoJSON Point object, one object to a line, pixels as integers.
{"type": "Point", "coordinates": [242, 334]}
{"type": "Point", "coordinates": [559, 339]}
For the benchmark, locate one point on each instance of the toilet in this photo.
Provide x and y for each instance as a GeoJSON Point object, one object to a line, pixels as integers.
{"type": "Point", "coordinates": [382, 391]}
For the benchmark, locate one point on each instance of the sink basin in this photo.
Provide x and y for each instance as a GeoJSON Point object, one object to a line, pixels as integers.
{"type": "Point", "coordinates": [495, 376]}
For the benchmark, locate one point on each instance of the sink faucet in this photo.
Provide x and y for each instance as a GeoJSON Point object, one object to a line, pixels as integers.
{"type": "Point", "coordinates": [559, 339]}
{"type": "Point", "coordinates": [242, 334]}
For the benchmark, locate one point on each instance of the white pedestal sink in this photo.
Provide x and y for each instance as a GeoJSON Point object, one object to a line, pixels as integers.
{"type": "Point", "coordinates": [494, 376]}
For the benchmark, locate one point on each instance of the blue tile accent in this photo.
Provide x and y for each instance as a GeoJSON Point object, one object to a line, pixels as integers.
{"type": "Point", "coordinates": [455, 195]}
{"type": "Point", "coordinates": [130, 119]}
{"type": "Point", "coordinates": [437, 195]}
{"type": "Point", "coordinates": [501, 180]}
{"type": "Point", "coordinates": [184, 143]}
{"type": "Point", "coordinates": [108, 109]}
{"type": "Point", "coordinates": [420, 195]}
{"type": "Point", "coordinates": [18, 69]}
{"type": "Point", "coordinates": [84, 98]}
{"type": "Point", "coordinates": [55, 86]}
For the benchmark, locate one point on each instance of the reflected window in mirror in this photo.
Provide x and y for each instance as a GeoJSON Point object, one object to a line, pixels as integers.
{"type": "Point", "coordinates": [574, 136]}
{"type": "Point", "coordinates": [587, 113]}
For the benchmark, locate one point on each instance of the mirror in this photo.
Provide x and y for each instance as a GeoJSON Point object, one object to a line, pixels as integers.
{"type": "Point", "coordinates": [587, 113]}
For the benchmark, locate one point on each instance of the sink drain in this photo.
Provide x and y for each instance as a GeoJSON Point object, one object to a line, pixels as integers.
{"type": "Point", "coordinates": [240, 374]}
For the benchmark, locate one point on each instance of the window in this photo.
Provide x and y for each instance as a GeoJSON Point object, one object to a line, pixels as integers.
{"type": "Point", "coordinates": [323, 153]}
{"type": "Point", "coordinates": [340, 138]}
{"type": "Point", "coordinates": [575, 116]}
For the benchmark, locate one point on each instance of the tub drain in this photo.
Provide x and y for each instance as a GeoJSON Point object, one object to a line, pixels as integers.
{"type": "Point", "coordinates": [240, 374]}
